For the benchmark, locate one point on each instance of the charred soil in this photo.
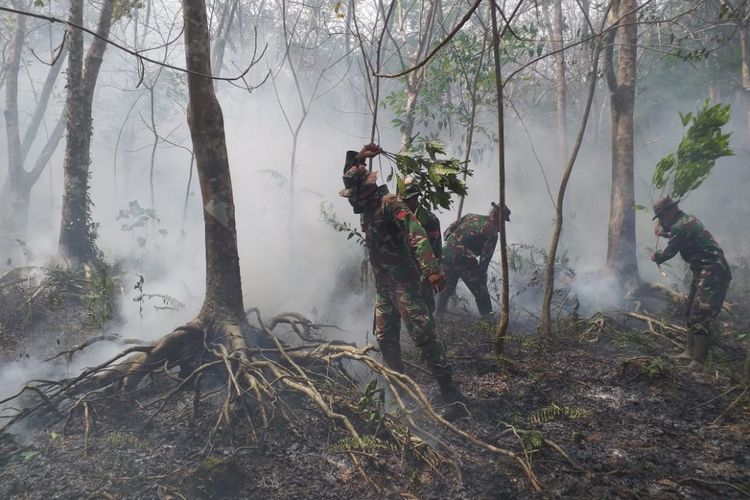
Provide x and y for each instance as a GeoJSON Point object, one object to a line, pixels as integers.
{"type": "Point", "coordinates": [628, 423]}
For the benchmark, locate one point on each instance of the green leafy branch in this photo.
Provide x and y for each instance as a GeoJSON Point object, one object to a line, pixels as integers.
{"type": "Point", "coordinates": [438, 179]}
{"type": "Point", "coordinates": [702, 144]}
{"type": "Point", "coordinates": [329, 217]}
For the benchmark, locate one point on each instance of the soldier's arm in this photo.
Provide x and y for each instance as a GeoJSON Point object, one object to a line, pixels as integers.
{"type": "Point", "coordinates": [451, 228]}
{"type": "Point", "coordinates": [416, 237]}
{"type": "Point", "coordinates": [676, 238]}
{"type": "Point", "coordinates": [433, 231]}
{"type": "Point", "coordinates": [488, 250]}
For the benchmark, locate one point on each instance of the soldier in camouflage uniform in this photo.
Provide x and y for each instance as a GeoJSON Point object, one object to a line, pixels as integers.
{"type": "Point", "coordinates": [400, 254]}
{"type": "Point", "coordinates": [431, 225]}
{"type": "Point", "coordinates": [470, 238]}
{"type": "Point", "coordinates": [711, 274]}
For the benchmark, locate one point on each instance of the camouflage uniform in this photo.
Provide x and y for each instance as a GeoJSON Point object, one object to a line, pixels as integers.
{"type": "Point", "coordinates": [431, 225]}
{"type": "Point", "coordinates": [470, 237]}
{"type": "Point", "coordinates": [711, 274]}
{"type": "Point", "coordinates": [400, 253]}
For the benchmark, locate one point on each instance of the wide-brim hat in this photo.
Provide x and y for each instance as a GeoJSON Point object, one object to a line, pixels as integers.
{"type": "Point", "coordinates": [662, 205]}
{"type": "Point", "coordinates": [506, 211]}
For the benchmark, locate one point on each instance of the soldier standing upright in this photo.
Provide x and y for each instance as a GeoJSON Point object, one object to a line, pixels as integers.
{"type": "Point", "coordinates": [400, 254]}
{"type": "Point", "coordinates": [431, 225]}
{"type": "Point", "coordinates": [470, 238]}
{"type": "Point", "coordinates": [711, 274]}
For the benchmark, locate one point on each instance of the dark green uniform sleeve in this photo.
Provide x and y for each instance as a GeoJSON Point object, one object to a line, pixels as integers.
{"type": "Point", "coordinates": [433, 232]}
{"type": "Point", "coordinates": [676, 238]}
{"type": "Point", "coordinates": [416, 237]}
{"type": "Point", "coordinates": [488, 250]}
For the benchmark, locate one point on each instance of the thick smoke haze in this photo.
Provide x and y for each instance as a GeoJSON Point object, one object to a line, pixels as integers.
{"type": "Point", "coordinates": [303, 265]}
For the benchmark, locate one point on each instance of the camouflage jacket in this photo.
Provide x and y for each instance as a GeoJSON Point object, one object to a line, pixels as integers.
{"type": "Point", "coordinates": [396, 242]}
{"type": "Point", "coordinates": [431, 225]}
{"type": "Point", "coordinates": [471, 236]}
{"type": "Point", "coordinates": [695, 244]}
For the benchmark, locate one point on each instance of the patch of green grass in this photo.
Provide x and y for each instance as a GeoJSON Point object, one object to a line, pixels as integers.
{"type": "Point", "coordinates": [122, 439]}
{"type": "Point", "coordinates": [367, 444]}
{"type": "Point", "coordinates": [655, 368]}
{"type": "Point", "coordinates": [637, 338]}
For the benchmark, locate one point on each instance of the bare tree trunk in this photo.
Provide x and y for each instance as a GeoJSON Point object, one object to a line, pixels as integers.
{"type": "Point", "coordinates": [621, 243]}
{"type": "Point", "coordinates": [415, 79]}
{"type": "Point", "coordinates": [560, 82]}
{"type": "Point", "coordinates": [222, 316]}
{"type": "Point", "coordinates": [77, 232]}
{"type": "Point", "coordinates": [472, 85]}
{"type": "Point", "coordinates": [502, 326]}
{"type": "Point", "coordinates": [16, 188]}
{"type": "Point", "coordinates": [223, 284]}
{"type": "Point", "coordinates": [549, 285]}
{"type": "Point", "coordinates": [744, 28]}
{"type": "Point", "coordinates": [11, 218]}
{"type": "Point", "coordinates": [220, 39]}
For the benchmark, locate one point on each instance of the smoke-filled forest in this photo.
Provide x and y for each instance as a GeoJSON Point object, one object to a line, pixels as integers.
{"type": "Point", "coordinates": [374, 249]}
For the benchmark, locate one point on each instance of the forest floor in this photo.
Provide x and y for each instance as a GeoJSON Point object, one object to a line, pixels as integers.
{"type": "Point", "coordinates": [632, 423]}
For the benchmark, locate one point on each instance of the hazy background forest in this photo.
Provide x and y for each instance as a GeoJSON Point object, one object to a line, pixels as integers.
{"type": "Point", "coordinates": [687, 53]}
{"type": "Point", "coordinates": [295, 80]}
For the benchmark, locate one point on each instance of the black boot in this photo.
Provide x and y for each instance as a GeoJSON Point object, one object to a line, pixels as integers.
{"type": "Point", "coordinates": [484, 305]}
{"type": "Point", "coordinates": [392, 358]}
{"type": "Point", "coordinates": [452, 402]}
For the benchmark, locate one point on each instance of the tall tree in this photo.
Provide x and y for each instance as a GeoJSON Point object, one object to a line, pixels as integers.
{"type": "Point", "coordinates": [222, 319]}
{"type": "Point", "coordinates": [15, 193]}
{"type": "Point", "coordinates": [77, 231]}
{"type": "Point", "coordinates": [561, 89]}
{"type": "Point", "coordinates": [415, 79]}
{"type": "Point", "coordinates": [620, 59]}
{"type": "Point", "coordinates": [502, 325]}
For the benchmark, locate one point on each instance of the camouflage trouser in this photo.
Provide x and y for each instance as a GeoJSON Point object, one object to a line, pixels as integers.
{"type": "Point", "coordinates": [428, 295]}
{"type": "Point", "coordinates": [467, 269]}
{"type": "Point", "coordinates": [399, 301]}
{"type": "Point", "coordinates": [707, 293]}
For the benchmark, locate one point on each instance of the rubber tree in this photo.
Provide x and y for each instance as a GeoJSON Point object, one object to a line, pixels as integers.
{"type": "Point", "coordinates": [77, 242]}
{"type": "Point", "coordinates": [620, 59]}
{"type": "Point", "coordinates": [15, 193]}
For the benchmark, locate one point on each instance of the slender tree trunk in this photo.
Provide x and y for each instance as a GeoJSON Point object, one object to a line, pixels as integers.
{"type": "Point", "coordinates": [473, 86]}
{"type": "Point", "coordinates": [502, 326]}
{"type": "Point", "coordinates": [415, 79]}
{"type": "Point", "coordinates": [16, 188]}
{"type": "Point", "coordinates": [412, 94]}
{"type": "Point", "coordinates": [549, 285]}
{"type": "Point", "coordinates": [11, 219]}
{"type": "Point", "coordinates": [621, 243]}
{"type": "Point", "coordinates": [77, 232]}
{"type": "Point", "coordinates": [220, 42]}
{"type": "Point", "coordinates": [744, 28]}
{"type": "Point", "coordinates": [560, 81]}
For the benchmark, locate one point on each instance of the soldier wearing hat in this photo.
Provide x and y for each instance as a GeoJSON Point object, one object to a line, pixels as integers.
{"type": "Point", "coordinates": [431, 225]}
{"type": "Point", "coordinates": [400, 254]}
{"type": "Point", "coordinates": [711, 274]}
{"type": "Point", "coordinates": [469, 246]}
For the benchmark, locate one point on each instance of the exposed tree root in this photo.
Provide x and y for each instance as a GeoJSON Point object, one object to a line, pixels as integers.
{"type": "Point", "coordinates": [259, 375]}
{"type": "Point", "coordinates": [647, 288]}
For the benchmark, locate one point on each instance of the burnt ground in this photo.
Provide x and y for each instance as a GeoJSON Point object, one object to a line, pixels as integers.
{"type": "Point", "coordinates": [633, 423]}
